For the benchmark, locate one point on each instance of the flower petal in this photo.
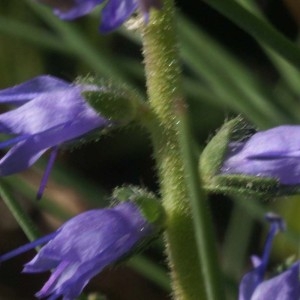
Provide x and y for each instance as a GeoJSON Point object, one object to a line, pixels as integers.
{"type": "Point", "coordinates": [85, 245]}
{"type": "Point", "coordinates": [69, 279]}
{"type": "Point", "coordinates": [47, 121]}
{"type": "Point", "coordinates": [77, 9]}
{"type": "Point", "coordinates": [90, 234]}
{"type": "Point", "coordinates": [46, 111]}
{"type": "Point", "coordinates": [277, 142]}
{"type": "Point", "coordinates": [254, 278]}
{"type": "Point", "coordinates": [50, 286]}
{"type": "Point", "coordinates": [115, 13]}
{"type": "Point", "coordinates": [249, 283]}
{"type": "Point", "coordinates": [30, 89]}
{"type": "Point", "coordinates": [27, 152]}
{"type": "Point", "coordinates": [285, 286]}
{"type": "Point", "coordinates": [272, 153]}
{"type": "Point", "coordinates": [286, 170]}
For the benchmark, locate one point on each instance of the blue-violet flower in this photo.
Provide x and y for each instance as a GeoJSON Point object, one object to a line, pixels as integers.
{"type": "Point", "coordinates": [273, 153]}
{"type": "Point", "coordinates": [285, 286]}
{"type": "Point", "coordinates": [49, 113]}
{"type": "Point", "coordinates": [84, 246]}
{"type": "Point", "coordinates": [114, 13]}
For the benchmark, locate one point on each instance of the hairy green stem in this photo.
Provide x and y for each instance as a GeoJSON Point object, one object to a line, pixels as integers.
{"type": "Point", "coordinates": [205, 237]}
{"type": "Point", "coordinates": [164, 90]}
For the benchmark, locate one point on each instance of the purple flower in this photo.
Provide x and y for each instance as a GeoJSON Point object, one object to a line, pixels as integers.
{"type": "Point", "coordinates": [272, 153]}
{"type": "Point", "coordinates": [84, 246]}
{"type": "Point", "coordinates": [114, 14]}
{"type": "Point", "coordinates": [49, 113]}
{"type": "Point", "coordinates": [285, 286]}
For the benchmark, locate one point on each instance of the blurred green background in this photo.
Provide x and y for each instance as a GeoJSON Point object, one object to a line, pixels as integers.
{"type": "Point", "coordinates": [225, 73]}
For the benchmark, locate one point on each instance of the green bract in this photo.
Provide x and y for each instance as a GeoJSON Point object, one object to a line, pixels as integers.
{"type": "Point", "coordinates": [211, 161]}
{"type": "Point", "coordinates": [119, 104]}
{"type": "Point", "coordinates": [149, 205]}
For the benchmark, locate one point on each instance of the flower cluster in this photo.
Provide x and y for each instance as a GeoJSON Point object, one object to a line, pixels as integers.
{"type": "Point", "coordinates": [285, 286]}
{"type": "Point", "coordinates": [49, 113]}
{"type": "Point", "coordinates": [114, 13]}
{"type": "Point", "coordinates": [84, 246]}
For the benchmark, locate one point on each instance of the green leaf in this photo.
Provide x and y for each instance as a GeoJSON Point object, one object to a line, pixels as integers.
{"type": "Point", "coordinates": [259, 29]}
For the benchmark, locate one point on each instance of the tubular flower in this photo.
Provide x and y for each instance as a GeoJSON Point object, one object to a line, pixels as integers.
{"type": "Point", "coordinates": [49, 113]}
{"type": "Point", "coordinates": [285, 286]}
{"type": "Point", "coordinates": [84, 246]}
{"type": "Point", "coordinates": [114, 13]}
{"type": "Point", "coordinates": [274, 153]}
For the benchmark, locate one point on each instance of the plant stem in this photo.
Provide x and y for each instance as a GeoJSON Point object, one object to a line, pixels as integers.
{"type": "Point", "coordinates": [164, 90]}
{"type": "Point", "coordinates": [204, 233]}
{"type": "Point", "coordinates": [17, 211]}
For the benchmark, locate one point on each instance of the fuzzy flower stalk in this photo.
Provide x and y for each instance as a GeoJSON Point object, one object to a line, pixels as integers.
{"type": "Point", "coordinates": [285, 286]}
{"type": "Point", "coordinates": [89, 242]}
{"type": "Point", "coordinates": [113, 15]}
{"type": "Point", "coordinates": [48, 113]}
